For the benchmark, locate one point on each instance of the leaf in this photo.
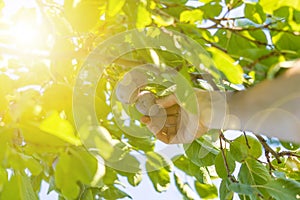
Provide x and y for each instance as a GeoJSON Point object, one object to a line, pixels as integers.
{"type": "Point", "coordinates": [57, 97]}
{"type": "Point", "coordinates": [162, 20]}
{"type": "Point", "coordinates": [224, 63]}
{"type": "Point", "coordinates": [133, 179]}
{"type": "Point", "coordinates": [201, 152]}
{"type": "Point", "coordinates": [128, 163]}
{"type": "Point", "coordinates": [283, 189]}
{"type": "Point", "coordinates": [240, 188]}
{"type": "Point", "coordinates": [174, 1]}
{"type": "Point", "coordinates": [143, 17]}
{"type": "Point", "coordinates": [290, 145]}
{"type": "Point", "coordinates": [3, 178]}
{"type": "Point", "coordinates": [211, 10]}
{"type": "Point", "coordinates": [253, 172]}
{"type": "Point", "coordinates": [239, 149]}
{"type": "Point", "coordinates": [186, 165]}
{"type": "Point", "coordinates": [191, 16]}
{"type": "Point", "coordinates": [220, 164]}
{"type": "Point", "coordinates": [286, 41]}
{"type": "Point", "coordinates": [60, 128]}
{"type": "Point", "coordinates": [184, 188]}
{"type": "Point", "coordinates": [233, 42]}
{"type": "Point", "coordinates": [269, 6]}
{"type": "Point", "coordinates": [18, 187]}
{"type": "Point", "coordinates": [206, 190]}
{"type": "Point", "coordinates": [79, 162]}
{"type": "Point", "coordinates": [224, 191]}
{"type": "Point", "coordinates": [87, 195]}
{"type": "Point", "coordinates": [145, 143]}
{"type": "Point", "coordinates": [114, 7]}
{"type": "Point", "coordinates": [97, 138]}
{"type": "Point", "coordinates": [158, 171]}
{"type": "Point", "coordinates": [255, 13]}
{"type": "Point", "coordinates": [112, 192]}
{"type": "Point", "coordinates": [90, 9]}
{"type": "Point", "coordinates": [110, 176]}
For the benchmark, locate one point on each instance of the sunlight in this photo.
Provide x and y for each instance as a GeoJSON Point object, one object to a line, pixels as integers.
{"type": "Point", "coordinates": [24, 34]}
{"type": "Point", "coordinates": [25, 24]}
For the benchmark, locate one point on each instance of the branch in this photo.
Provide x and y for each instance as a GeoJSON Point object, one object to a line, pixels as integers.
{"type": "Point", "coordinates": [288, 153]}
{"type": "Point", "coordinates": [267, 148]}
{"type": "Point", "coordinates": [266, 56]}
{"type": "Point", "coordinates": [221, 136]}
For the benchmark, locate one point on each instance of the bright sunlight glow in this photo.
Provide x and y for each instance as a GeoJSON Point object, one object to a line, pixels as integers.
{"type": "Point", "coordinates": [25, 26]}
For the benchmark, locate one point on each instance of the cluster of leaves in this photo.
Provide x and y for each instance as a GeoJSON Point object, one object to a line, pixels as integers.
{"type": "Point", "coordinates": [38, 138]}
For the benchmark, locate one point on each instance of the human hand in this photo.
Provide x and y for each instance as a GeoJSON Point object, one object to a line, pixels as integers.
{"type": "Point", "coordinates": [178, 126]}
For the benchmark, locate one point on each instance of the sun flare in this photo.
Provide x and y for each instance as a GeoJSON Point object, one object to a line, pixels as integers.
{"type": "Point", "coordinates": [25, 25]}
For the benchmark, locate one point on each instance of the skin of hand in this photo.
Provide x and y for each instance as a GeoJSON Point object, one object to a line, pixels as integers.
{"type": "Point", "coordinates": [171, 132]}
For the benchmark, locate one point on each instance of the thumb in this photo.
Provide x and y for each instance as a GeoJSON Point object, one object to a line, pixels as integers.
{"type": "Point", "coordinates": [167, 101]}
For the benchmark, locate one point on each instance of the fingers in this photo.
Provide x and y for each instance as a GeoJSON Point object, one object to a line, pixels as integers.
{"type": "Point", "coordinates": [167, 101]}
{"type": "Point", "coordinates": [145, 119]}
{"type": "Point", "coordinates": [168, 130]}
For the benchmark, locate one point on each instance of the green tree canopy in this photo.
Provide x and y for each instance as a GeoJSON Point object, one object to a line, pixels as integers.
{"type": "Point", "coordinates": [43, 46]}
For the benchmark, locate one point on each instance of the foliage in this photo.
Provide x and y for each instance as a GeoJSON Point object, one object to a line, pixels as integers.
{"type": "Point", "coordinates": [38, 137]}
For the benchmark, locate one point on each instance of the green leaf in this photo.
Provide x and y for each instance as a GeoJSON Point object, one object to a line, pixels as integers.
{"type": "Point", "coordinates": [114, 7]}
{"type": "Point", "coordinates": [145, 144]}
{"type": "Point", "coordinates": [174, 1]}
{"type": "Point", "coordinates": [90, 9]}
{"type": "Point", "coordinates": [110, 176]}
{"type": "Point", "coordinates": [112, 192]}
{"type": "Point", "coordinates": [184, 189]}
{"type": "Point", "coordinates": [60, 128]}
{"type": "Point", "coordinates": [133, 179]}
{"type": "Point", "coordinates": [290, 145]}
{"type": "Point", "coordinates": [201, 152]}
{"type": "Point", "coordinates": [269, 6]}
{"type": "Point", "coordinates": [87, 168]}
{"type": "Point", "coordinates": [3, 177]}
{"type": "Point", "coordinates": [128, 163]}
{"type": "Point", "coordinates": [255, 13]}
{"type": "Point", "coordinates": [283, 189]}
{"type": "Point", "coordinates": [225, 192]}
{"type": "Point", "coordinates": [162, 20]}
{"type": "Point", "coordinates": [186, 165]}
{"type": "Point", "coordinates": [239, 149]}
{"type": "Point", "coordinates": [191, 16]}
{"type": "Point", "coordinates": [143, 17]}
{"type": "Point", "coordinates": [220, 164]}
{"type": "Point", "coordinates": [224, 63]}
{"type": "Point", "coordinates": [87, 195]}
{"type": "Point", "coordinates": [253, 172]}
{"type": "Point", "coordinates": [158, 171]}
{"type": "Point", "coordinates": [18, 187]}
{"type": "Point", "coordinates": [206, 190]}
{"type": "Point", "coordinates": [97, 138]}
{"type": "Point", "coordinates": [240, 188]}
{"type": "Point", "coordinates": [211, 10]}
{"type": "Point", "coordinates": [286, 41]}
{"type": "Point", "coordinates": [233, 42]}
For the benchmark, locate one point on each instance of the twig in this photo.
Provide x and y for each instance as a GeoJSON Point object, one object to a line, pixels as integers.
{"type": "Point", "coordinates": [249, 147]}
{"type": "Point", "coordinates": [266, 56]}
{"type": "Point", "coordinates": [221, 136]}
{"type": "Point", "coordinates": [267, 148]}
{"type": "Point", "coordinates": [288, 153]}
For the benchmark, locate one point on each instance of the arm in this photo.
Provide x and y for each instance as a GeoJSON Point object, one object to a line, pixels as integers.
{"type": "Point", "coordinates": [271, 108]}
